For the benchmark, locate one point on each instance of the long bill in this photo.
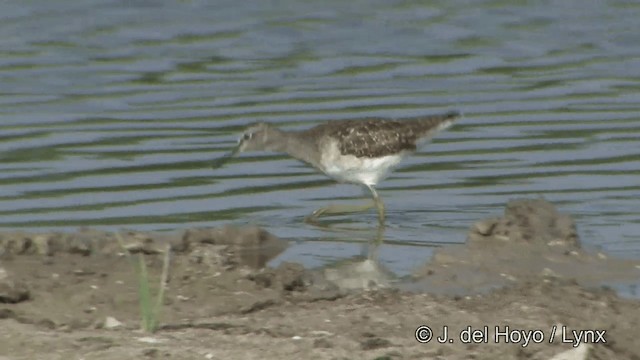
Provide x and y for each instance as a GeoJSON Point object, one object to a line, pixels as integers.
{"type": "Point", "coordinates": [223, 159]}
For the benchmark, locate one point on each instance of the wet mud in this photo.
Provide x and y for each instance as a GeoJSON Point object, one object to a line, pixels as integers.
{"type": "Point", "coordinates": [522, 285]}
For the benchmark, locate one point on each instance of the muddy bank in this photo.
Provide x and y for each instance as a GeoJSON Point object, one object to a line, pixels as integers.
{"type": "Point", "coordinates": [531, 241]}
{"type": "Point", "coordinates": [65, 296]}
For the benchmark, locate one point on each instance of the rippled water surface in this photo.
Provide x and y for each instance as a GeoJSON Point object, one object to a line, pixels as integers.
{"type": "Point", "coordinates": [111, 112]}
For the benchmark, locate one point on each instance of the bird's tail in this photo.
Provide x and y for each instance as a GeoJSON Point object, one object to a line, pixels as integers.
{"type": "Point", "coordinates": [432, 124]}
{"type": "Point", "coordinates": [444, 121]}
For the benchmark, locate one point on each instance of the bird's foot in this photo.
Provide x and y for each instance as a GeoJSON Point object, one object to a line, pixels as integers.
{"type": "Point", "coordinates": [313, 217]}
{"type": "Point", "coordinates": [337, 209]}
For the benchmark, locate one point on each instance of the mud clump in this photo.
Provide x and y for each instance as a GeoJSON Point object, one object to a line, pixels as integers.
{"type": "Point", "coordinates": [244, 246]}
{"type": "Point", "coordinates": [532, 241]}
{"type": "Point", "coordinates": [12, 291]}
{"type": "Point", "coordinates": [528, 220]}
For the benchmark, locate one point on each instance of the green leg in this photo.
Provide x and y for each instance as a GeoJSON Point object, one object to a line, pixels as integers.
{"type": "Point", "coordinates": [378, 203]}
{"type": "Point", "coordinates": [375, 243]}
{"type": "Point", "coordinates": [338, 209]}
{"type": "Point", "coordinates": [345, 209]}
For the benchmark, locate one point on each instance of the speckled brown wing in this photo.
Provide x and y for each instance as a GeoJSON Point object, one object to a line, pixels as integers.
{"type": "Point", "coordinates": [376, 137]}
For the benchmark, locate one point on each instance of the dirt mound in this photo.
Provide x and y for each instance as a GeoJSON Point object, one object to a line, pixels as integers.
{"type": "Point", "coordinates": [530, 242]}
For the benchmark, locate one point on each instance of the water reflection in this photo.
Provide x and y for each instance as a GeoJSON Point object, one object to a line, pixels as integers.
{"type": "Point", "coordinates": [364, 271]}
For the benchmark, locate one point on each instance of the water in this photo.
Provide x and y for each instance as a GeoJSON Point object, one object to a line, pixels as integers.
{"type": "Point", "coordinates": [111, 112]}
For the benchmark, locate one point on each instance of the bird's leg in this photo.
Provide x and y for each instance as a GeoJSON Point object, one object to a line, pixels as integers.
{"type": "Point", "coordinates": [375, 243]}
{"type": "Point", "coordinates": [378, 203]}
{"type": "Point", "coordinates": [345, 209]}
{"type": "Point", "coordinates": [338, 209]}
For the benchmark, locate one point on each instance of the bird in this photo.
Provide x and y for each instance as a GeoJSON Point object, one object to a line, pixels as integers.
{"type": "Point", "coordinates": [361, 151]}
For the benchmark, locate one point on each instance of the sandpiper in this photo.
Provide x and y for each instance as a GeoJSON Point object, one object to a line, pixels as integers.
{"type": "Point", "coordinates": [360, 151]}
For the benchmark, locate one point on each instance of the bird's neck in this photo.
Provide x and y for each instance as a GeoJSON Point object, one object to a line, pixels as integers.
{"type": "Point", "coordinates": [292, 143]}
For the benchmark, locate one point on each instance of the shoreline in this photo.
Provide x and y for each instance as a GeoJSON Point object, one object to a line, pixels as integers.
{"type": "Point", "coordinates": [61, 292]}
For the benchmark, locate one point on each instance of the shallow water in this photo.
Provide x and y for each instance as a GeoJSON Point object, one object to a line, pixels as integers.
{"type": "Point", "coordinates": [112, 111]}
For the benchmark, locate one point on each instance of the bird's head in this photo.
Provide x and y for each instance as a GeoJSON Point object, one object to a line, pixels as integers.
{"type": "Point", "coordinates": [254, 138]}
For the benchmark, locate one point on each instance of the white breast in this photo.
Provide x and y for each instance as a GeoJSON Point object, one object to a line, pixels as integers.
{"type": "Point", "coordinates": [348, 168]}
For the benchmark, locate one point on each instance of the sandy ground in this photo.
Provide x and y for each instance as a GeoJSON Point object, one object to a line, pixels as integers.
{"type": "Point", "coordinates": [521, 288]}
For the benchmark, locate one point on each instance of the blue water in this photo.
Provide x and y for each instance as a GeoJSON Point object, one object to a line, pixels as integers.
{"type": "Point", "coordinates": [111, 111]}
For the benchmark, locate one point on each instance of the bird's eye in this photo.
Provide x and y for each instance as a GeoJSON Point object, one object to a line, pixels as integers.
{"type": "Point", "coordinates": [247, 136]}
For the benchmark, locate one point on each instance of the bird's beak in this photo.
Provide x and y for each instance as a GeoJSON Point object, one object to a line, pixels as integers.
{"type": "Point", "coordinates": [222, 160]}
